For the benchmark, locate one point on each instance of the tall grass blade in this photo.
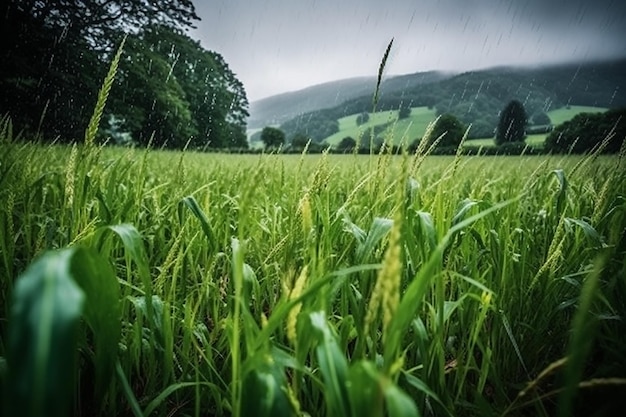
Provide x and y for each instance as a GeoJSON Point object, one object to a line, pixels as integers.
{"type": "Point", "coordinates": [381, 70]}
{"type": "Point", "coordinates": [580, 340]}
{"type": "Point", "coordinates": [103, 95]}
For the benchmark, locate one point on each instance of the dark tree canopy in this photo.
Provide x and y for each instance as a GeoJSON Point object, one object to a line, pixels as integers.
{"type": "Point", "coordinates": [512, 124]}
{"type": "Point", "coordinates": [55, 55]}
{"type": "Point", "coordinates": [540, 119]}
{"type": "Point", "coordinates": [272, 137]}
{"type": "Point", "coordinates": [586, 131]}
{"type": "Point", "coordinates": [362, 118]}
{"type": "Point", "coordinates": [451, 130]}
{"type": "Point", "coordinates": [404, 111]}
{"type": "Point", "coordinates": [171, 87]}
{"type": "Point", "coordinates": [101, 20]}
{"type": "Point", "coordinates": [300, 140]}
{"type": "Point", "coordinates": [346, 144]}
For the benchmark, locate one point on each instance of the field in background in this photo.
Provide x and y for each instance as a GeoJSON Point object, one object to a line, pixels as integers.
{"type": "Point", "coordinates": [415, 125]}
{"type": "Point", "coordinates": [407, 129]}
{"type": "Point", "coordinates": [330, 285]}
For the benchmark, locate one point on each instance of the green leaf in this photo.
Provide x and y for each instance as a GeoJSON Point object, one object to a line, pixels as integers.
{"type": "Point", "coordinates": [379, 229]}
{"type": "Point", "coordinates": [590, 233]}
{"type": "Point", "coordinates": [42, 340]}
{"type": "Point", "coordinates": [399, 404]}
{"type": "Point", "coordinates": [135, 249]}
{"type": "Point", "coordinates": [193, 205]}
{"type": "Point", "coordinates": [365, 393]}
{"type": "Point", "coordinates": [265, 388]}
{"type": "Point", "coordinates": [102, 311]}
{"type": "Point", "coordinates": [333, 366]}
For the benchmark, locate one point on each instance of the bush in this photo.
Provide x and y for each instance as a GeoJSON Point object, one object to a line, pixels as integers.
{"type": "Point", "coordinates": [586, 131]}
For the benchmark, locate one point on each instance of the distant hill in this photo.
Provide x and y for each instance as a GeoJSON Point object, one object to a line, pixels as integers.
{"type": "Point", "coordinates": [477, 97]}
{"type": "Point", "coordinates": [277, 109]}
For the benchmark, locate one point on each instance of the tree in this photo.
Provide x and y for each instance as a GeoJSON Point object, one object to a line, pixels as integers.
{"type": "Point", "coordinates": [175, 90]}
{"type": "Point", "coordinates": [55, 54]}
{"type": "Point", "coordinates": [300, 140]}
{"type": "Point", "coordinates": [512, 124]}
{"type": "Point", "coordinates": [586, 131]}
{"type": "Point", "coordinates": [540, 119]}
{"type": "Point", "coordinates": [404, 111]}
{"type": "Point", "coordinates": [362, 118]}
{"type": "Point", "coordinates": [347, 144]}
{"type": "Point", "coordinates": [451, 130]}
{"type": "Point", "coordinates": [272, 137]}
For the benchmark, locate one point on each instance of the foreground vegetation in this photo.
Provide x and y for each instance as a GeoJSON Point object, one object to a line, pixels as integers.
{"type": "Point", "coordinates": [310, 285]}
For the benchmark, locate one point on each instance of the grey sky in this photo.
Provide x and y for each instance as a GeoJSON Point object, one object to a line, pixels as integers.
{"type": "Point", "coordinates": [281, 45]}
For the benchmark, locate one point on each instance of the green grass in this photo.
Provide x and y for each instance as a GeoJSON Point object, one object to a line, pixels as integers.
{"type": "Point", "coordinates": [348, 126]}
{"type": "Point", "coordinates": [407, 129]}
{"type": "Point", "coordinates": [328, 285]}
{"type": "Point", "coordinates": [531, 140]}
{"type": "Point", "coordinates": [415, 125]}
{"type": "Point", "coordinates": [564, 114]}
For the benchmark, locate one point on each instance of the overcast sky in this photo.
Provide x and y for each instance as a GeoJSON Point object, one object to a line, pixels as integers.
{"type": "Point", "coordinates": [274, 46]}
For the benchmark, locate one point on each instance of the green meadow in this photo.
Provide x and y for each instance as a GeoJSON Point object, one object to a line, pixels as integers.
{"type": "Point", "coordinates": [144, 283]}
{"type": "Point", "coordinates": [415, 125]}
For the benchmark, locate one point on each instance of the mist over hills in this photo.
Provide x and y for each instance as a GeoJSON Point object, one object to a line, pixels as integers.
{"type": "Point", "coordinates": [275, 110]}
{"type": "Point", "coordinates": [470, 95]}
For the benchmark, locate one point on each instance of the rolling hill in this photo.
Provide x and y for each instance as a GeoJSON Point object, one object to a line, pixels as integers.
{"type": "Point", "coordinates": [386, 125]}
{"type": "Point", "coordinates": [275, 110]}
{"type": "Point", "coordinates": [477, 97]}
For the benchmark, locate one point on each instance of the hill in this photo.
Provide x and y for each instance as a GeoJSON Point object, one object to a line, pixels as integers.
{"type": "Point", "coordinates": [477, 97]}
{"type": "Point", "coordinates": [275, 110]}
{"type": "Point", "coordinates": [385, 124]}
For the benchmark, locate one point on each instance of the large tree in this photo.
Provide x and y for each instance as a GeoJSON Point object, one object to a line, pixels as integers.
{"type": "Point", "coordinates": [272, 137]}
{"type": "Point", "coordinates": [450, 129]}
{"type": "Point", "coordinates": [55, 53]}
{"type": "Point", "coordinates": [175, 91]}
{"type": "Point", "coordinates": [512, 124]}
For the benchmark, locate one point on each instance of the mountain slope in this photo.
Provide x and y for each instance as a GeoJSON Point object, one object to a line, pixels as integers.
{"type": "Point", "coordinates": [280, 108]}
{"type": "Point", "coordinates": [477, 97]}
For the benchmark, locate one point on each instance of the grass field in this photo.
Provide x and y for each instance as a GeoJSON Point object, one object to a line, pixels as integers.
{"type": "Point", "coordinates": [531, 140]}
{"type": "Point", "coordinates": [409, 128]}
{"type": "Point", "coordinates": [140, 283]}
{"type": "Point", "coordinates": [564, 114]}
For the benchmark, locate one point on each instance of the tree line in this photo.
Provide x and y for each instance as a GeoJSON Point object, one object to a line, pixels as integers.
{"type": "Point", "coordinates": [169, 91]}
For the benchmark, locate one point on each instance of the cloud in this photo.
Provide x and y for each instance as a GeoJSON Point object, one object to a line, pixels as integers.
{"type": "Point", "coordinates": [281, 45]}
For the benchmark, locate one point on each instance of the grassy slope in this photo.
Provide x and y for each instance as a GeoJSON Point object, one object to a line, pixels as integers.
{"type": "Point", "coordinates": [410, 128]}
{"type": "Point", "coordinates": [415, 125]}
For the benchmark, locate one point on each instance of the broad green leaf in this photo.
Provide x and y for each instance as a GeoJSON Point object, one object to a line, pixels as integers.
{"type": "Point", "coordinates": [131, 238]}
{"type": "Point", "coordinates": [399, 404]}
{"type": "Point", "coordinates": [265, 390]}
{"type": "Point", "coordinates": [193, 205]}
{"type": "Point", "coordinates": [333, 366]}
{"type": "Point", "coordinates": [364, 390]}
{"type": "Point", "coordinates": [102, 311]}
{"type": "Point", "coordinates": [42, 341]}
{"type": "Point", "coordinates": [463, 209]}
{"type": "Point", "coordinates": [591, 233]}
{"type": "Point", "coordinates": [379, 229]}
